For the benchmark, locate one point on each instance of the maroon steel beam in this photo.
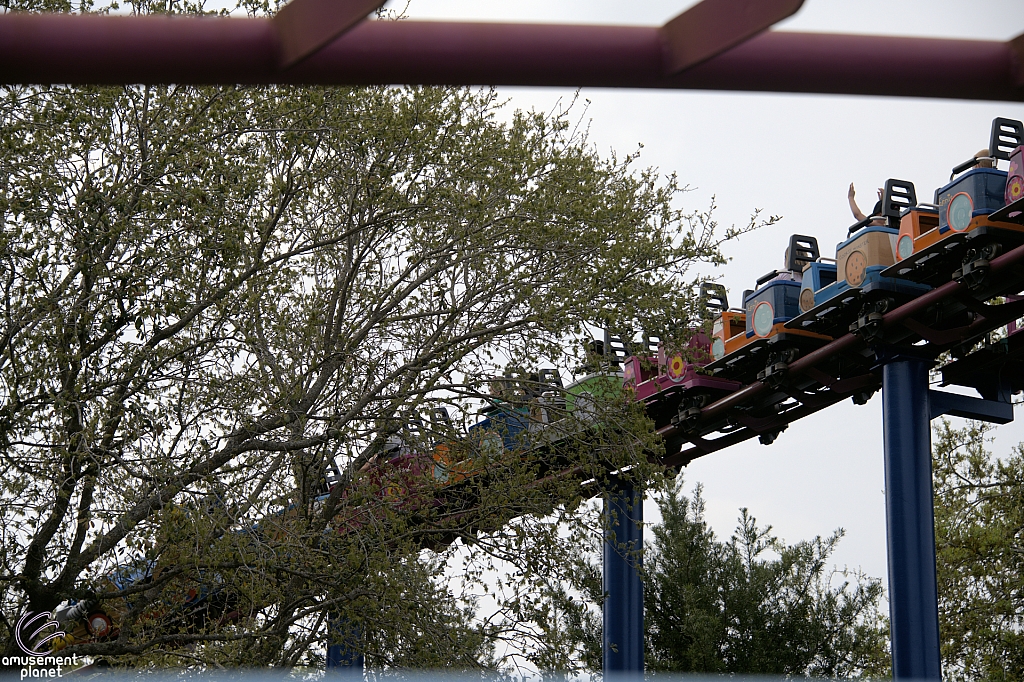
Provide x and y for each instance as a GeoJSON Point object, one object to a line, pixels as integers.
{"type": "Point", "coordinates": [681, 457]}
{"type": "Point", "coordinates": [79, 49]}
{"type": "Point", "coordinates": [1017, 46]}
{"type": "Point", "coordinates": [305, 26]}
{"type": "Point", "coordinates": [711, 27]}
{"type": "Point", "coordinates": [95, 49]}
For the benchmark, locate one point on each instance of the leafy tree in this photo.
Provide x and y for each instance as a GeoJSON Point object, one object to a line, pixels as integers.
{"type": "Point", "coordinates": [979, 523]}
{"type": "Point", "coordinates": [211, 295]}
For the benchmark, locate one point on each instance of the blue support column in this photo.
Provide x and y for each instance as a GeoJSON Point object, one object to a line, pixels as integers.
{"type": "Point", "coordinates": [624, 603]}
{"type": "Point", "coordinates": [342, 659]}
{"type": "Point", "coordinates": [910, 521]}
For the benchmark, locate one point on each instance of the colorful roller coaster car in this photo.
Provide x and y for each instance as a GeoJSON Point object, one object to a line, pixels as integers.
{"type": "Point", "coordinates": [414, 464]}
{"type": "Point", "coordinates": [81, 621]}
{"type": "Point", "coordinates": [414, 461]}
{"type": "Point", "coordinates": [87, 620]}
{"type": "Point", "coordinates": [728, 327]}
{"type": "Point", "coordinates": [656, 371]}
{"type": "Point", "coordinates": [188, 604]}
{"type": "Point", "coordinates": [505, 418]}
{"type": "Point", "coordinates": [403, 478]}
{"type": "Point", "coordinates": [518, 410]}
{"type": "Point", "coordinates": [851, 292]}
{"type": "Point", "coordinates": [527, 415]}
{"type": "Point", "coordinates": [766, 345]}
{"type": "Point", "coordinates": [410, 458]}
{"type": "Point", "coordinates": [404, 474]}
{"type": "Point", "coordinates": [548, 402]}
{"type": "Point", "coordinates": [397, 472]}
{"type": "Point", "coordinates": [975, 217]}
{"type": "Point", "coordinates": [603, 378]}
{"type": "Point", "coordinates": [673, 386]}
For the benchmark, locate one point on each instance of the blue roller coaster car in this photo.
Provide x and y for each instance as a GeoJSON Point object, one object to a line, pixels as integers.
{"type": "Point", "coordinates": [862, 268]}
{"type": "Point", "coordinates": [850, 289]}
{"type": "Point", "coordinates": [767, 341]}
{"type": "Point", "coordinates": [977, 192]}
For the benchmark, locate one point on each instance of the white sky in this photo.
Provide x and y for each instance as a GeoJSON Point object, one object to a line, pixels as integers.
{"type": "Point", "coordinates": [790, 155]}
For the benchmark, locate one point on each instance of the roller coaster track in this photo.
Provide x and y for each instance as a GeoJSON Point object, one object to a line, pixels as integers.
{"type": "Point", "coordinates": [811, 383]}
{"type": "Point", "coordinates": [809, 386]}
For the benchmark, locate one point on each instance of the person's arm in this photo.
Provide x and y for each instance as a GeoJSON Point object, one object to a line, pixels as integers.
{"type": "Point", "coordinates": [857, 213]}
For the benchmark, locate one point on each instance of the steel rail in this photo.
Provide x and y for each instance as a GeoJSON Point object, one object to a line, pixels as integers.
{"type": "Point", "coordinates": [100, 49]}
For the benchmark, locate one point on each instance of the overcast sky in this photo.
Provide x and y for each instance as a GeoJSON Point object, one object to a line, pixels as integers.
{"type": "Point", "coordinates": [794, 156]}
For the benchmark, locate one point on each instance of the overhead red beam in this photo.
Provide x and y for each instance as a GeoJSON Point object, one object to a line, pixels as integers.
{"type": "Point", "coordinates": [305, 26]}
{"type": "Point", "coordinates": [711, 27]}
{"type": "Point", "coordinates": [121, 50]}
{"type": "Point", "coordinates": [1017, 46]}
{"type": "Point", "coordinates": [97, 49]}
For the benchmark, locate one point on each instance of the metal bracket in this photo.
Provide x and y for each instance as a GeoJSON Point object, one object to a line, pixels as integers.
{"type": "Point", "coordinates": [713, 26]}
{"type": "Point", "coordinates": [995, 411]}
{"type": "Point", "coordinates": [886, 354]}
{"type": "Point", "coordinates": [305, 26]}
{"type": "Point", "coordinates": [940, 402]}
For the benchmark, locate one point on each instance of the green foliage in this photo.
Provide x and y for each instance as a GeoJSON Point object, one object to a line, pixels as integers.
{"type": "Point", "coordinates": [754, 605]}
{"type": "Point", "coordinates": [210, 294]}
{"type": "Point", "coordinates": [979, 521]}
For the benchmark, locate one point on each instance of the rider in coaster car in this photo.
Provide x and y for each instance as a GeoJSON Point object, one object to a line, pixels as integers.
{"type": "Point", "coordinates": [858, 214]}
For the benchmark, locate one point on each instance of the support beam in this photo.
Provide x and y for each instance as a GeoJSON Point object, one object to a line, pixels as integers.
{"type": "Point", "coordinates": [995, 411]}
{"type": "Point", "coordinates": [623, 611]}
{"type": "Point", "coordinates": [93, 49]}
{"type": "Point", "coordinates": [1017, 45]}
{"type": "Point", "coordinates": [711, 27]}
{"type": "Point", "coordinates": [342, 658]}
{"type": "Point", "coordinates": [910, 521]}
{"type": "Point", "coordinates": [305, 26]}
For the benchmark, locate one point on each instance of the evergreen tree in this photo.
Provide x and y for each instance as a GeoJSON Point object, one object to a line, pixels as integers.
{"type": "Point", "coordinates": [753, 604]}
{"type": "Point", "coordinates": [749, 605]}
